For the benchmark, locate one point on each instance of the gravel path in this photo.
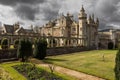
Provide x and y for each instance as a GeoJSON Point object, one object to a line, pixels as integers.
{"type": "Point", "coordinates": [76, 74]}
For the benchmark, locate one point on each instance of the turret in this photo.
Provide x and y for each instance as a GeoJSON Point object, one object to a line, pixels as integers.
{"type": "Point", "coordinates": [93, 18]}
{"type": "Point", "coordinates": [89, 19]}
{"type": "Point", "coordinates": [31, 27]}
{"type": "Point", "coordinates": [82, 23]}
{"type": "Point", "coordinates": [82, 14]}
{"type": "Point", "coordinates": [82, 9]}
{"type": "Point", "coordinates": [97, 21]}
{"type": "Point", "coordinates": [69, 15]}
{"type": "Point", "coordinates": [16, 26]}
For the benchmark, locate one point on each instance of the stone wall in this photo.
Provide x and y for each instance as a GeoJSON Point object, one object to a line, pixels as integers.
{"type": "Point", "coordinates": [12, 53]}
{"type": "Point", "coordinates": [66, 50]}
{"type": "Point", "coordinates": [6, 55]}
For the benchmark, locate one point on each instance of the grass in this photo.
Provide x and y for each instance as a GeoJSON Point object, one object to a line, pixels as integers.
{"type": "Point", "coordinates": [17, 76]}
{"type": "Point", "coordinates": [90, 62]}
{"type": "Point", "coordinates": [12, 72]}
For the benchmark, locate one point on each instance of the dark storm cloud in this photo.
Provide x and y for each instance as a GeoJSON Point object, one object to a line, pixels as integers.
{"type": "Point", "coordinates": [27, 9]}
{"type": "Point", "coordinates": [49, 14]}
{"type": "Point", "coordinates": [15, 2]}
{"type": "Point", "coordinates": [24, 9]}
{"type": "Point", "coordinates": [51, 9]}
{"type": "Point", "coordinates": [108, 11]}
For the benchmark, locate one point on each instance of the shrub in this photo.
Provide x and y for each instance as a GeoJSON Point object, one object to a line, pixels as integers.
{"type": "Point", "coordinates": [117, 65]}
{"type": "Point", "coordinates": [4, 43]}
{"type": "Point", "coordinates": [24, 50]}
{"type": "Point", "coordinates": [110, 45]}
{"type": "Point", "coordinates": [32, 72]}
{"type": "Point", "coordinates": [16, 43]}
{"type": "Point", "coordinates": [40, 47]}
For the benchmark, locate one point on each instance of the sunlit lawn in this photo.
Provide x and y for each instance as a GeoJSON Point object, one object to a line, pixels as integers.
{"type": "Point", "coordinates": [90, 62]}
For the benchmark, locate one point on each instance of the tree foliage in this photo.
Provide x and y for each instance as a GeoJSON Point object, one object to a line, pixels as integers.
{"type": "Point", "coordinates": [24, 49]}
{"type": "Point", "coordinates": [4, 43]}
{"type": "Point", "coordinates": [16, 43]}
{"type": "Point", "coordinates": [40, 47]}
{"type": "Point", "coordinates": [117, 65]}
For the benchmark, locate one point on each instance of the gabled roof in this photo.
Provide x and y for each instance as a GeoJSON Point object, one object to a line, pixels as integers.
{"type": "Point", "coordinates": [28, 30]}
{"type": "Point", "coordinates": [9, 28]}
{"type": "Point", "coordinates": [20, 30]}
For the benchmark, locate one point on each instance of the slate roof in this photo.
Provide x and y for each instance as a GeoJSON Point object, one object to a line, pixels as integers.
{"type": "Point", "coordinates": [20, 30]}
{"type": "Point", "coordinates": [9, 28]}
{"type": "Point", "coordinates": [29, 31]}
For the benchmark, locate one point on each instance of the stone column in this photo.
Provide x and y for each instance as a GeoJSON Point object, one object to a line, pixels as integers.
{"type": "Point", "coordinates": [52, 42]}
{"type": "Point", "coordinates": [58, 42]}
{"type": "Point", "coordinates": [64, 42]}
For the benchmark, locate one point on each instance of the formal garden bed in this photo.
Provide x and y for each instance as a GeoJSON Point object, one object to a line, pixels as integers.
{"type": "Point", "coordinates": [31, 72]}
{"type": "Point", "coordinates": [28, 71]}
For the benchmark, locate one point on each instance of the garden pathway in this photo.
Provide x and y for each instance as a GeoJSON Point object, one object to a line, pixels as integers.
{"type": "Point", "coordinates": [76, 74]}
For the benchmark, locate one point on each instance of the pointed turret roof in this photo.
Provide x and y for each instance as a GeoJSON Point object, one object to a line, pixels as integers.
{"type": "Point", "coordinates": [90, 17]}
{"type": "Point", "coordinates": [82, 9]}
{"type": "Point", "coordinates": [93, 18]}
{"type": "Point", "coordinates": [97, 20]}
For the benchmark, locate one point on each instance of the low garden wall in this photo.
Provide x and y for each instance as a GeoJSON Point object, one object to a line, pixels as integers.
{"type": "Point", "coordinates": [12, 53]}
{"type": "Point", "coordinates": [66, 50]}
{"type": "Point", "coordinates": [8, 54]}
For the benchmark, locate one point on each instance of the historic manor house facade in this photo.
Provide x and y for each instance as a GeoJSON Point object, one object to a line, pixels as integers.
{"type": "Point", "coordinates": [65, 31]}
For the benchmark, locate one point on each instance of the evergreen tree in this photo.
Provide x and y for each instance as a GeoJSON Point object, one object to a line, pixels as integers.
{"type": "Point", "coordinates": [40, 47]}
{"type": "Point", "coordinates": [117, 65]}
{"type": "Point", "coordinates": [24, 50]}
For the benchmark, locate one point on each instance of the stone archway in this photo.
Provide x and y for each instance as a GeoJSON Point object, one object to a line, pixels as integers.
{"type": "Point", "coordinates": [110, 45]}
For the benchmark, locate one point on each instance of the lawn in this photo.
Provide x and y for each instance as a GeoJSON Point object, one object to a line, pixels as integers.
{"type": "Point", "coordinates": [90, 62]}
{"type": "Point", "coordinates": [15, 75]}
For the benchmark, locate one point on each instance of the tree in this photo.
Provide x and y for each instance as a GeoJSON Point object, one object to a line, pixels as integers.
{"type": "Point", "coordinates": [40, 47]}
{"type": "Point", "coordinates": [117, 65]}
{"type": "Point", "coordinates": [16, 43]}
{"type": "Point", "coordinates": [24, 50]}
{"type": "Point", "coordinates": [4, 43]}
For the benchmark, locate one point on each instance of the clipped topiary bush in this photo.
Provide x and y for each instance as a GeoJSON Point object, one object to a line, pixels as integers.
{"type": "Point", "coordinates": [24, 50]}
{"type": "Point", "coordinates": [110, 45]}
{"type": "Point", "coordinates": [40, 47]}
{"type": "Point", "coordinates": [117, 66]}
{"type": "Point", "coordinates": [4, 44]}
{"type": "Point", "coordinates": [16, 43]}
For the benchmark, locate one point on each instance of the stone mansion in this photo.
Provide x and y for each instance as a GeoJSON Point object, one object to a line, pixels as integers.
{"type": "Point", "coordinates": [65, 31]}
{"type": "Point", "coordinates": [65, 26]}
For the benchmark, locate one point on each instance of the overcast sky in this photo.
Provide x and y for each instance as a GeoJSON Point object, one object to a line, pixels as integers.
{"type": "Point", "coordinates": [38, 12]}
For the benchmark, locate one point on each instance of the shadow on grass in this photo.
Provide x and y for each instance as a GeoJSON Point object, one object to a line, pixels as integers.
{"type": "Point", "coordinates": [50, 60]}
